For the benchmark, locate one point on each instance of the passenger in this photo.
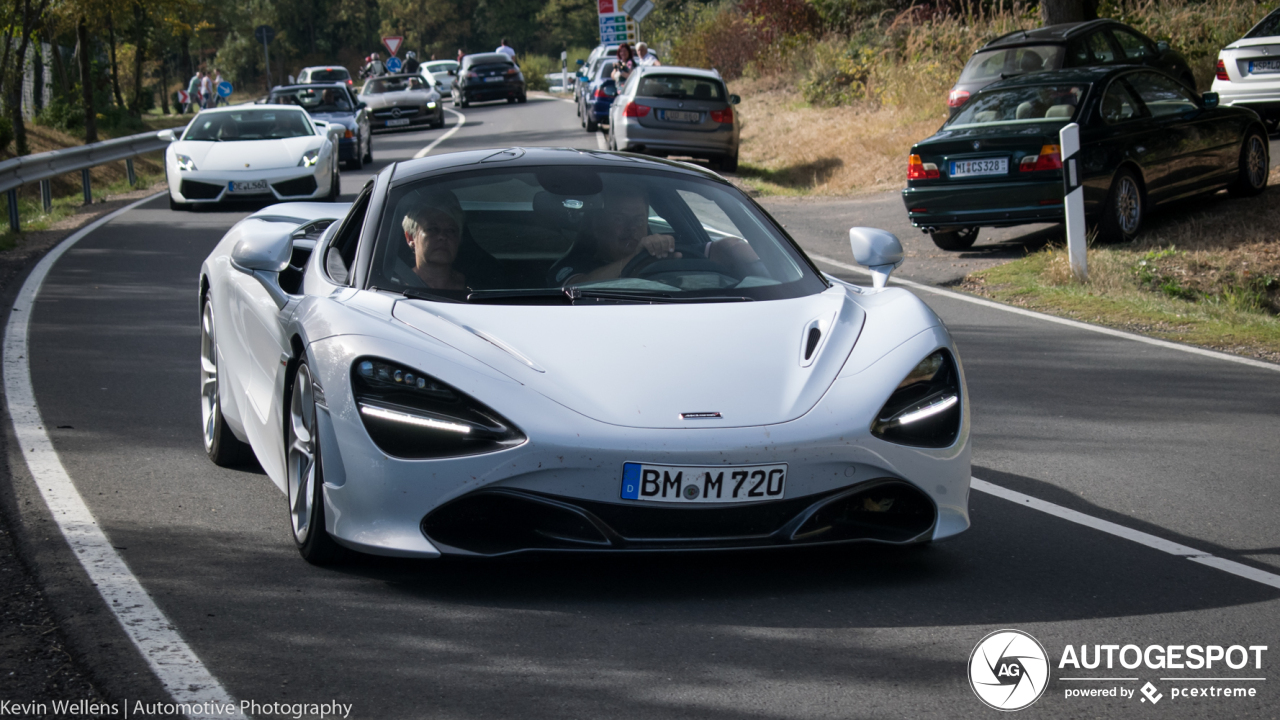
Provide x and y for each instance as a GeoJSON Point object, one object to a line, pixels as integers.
{"type": "Point", "coordinates": [433, 230]}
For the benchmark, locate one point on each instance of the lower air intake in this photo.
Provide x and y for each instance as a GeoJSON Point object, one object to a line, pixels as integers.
{"type": "Point", "coordinates": [297, 186]}
{"type": "Point", "coordinates": [195, 190]}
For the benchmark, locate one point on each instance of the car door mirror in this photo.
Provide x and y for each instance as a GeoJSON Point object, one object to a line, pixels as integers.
{"type": "Point", "coordinates": [167, 135]}
{"type": "Point", "coordinates": [362, 105]}
{"type": "Point", "coordinates": [263, 253]}
{"type": "Point", "coordinates": [734, 99]}
{"type": "Point", "coordinates": [1162, 46]}
{"type": "Point", "coordinates": [877, 250]}
{"type": "Point", "coordinates": [1209, 100]}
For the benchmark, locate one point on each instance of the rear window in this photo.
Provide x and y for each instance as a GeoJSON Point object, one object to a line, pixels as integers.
{"type": "Point", "coordinates": [330, 75]}
{"type": "Point", "coordinates": [1007, 62]}
{"type": "Point", "coordinates": [680, 87]}
{"type": "Point", "coordinates": [1032, 104]}
{"type": "Point", "coordinates": [1269, 27]}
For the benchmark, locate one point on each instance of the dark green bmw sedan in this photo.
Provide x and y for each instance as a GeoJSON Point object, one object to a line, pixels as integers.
{"type": "Point", "coordinates": [1145, 140]}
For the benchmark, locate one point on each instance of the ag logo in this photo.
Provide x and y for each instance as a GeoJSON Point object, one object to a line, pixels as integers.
{"type": "Point", "coordinates": [1008, 670]}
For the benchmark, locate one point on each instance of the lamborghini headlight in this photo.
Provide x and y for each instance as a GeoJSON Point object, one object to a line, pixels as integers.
{"type": "Point", "coordinates": [309, 158]}
{"type": "Point", "coordinates": [924, 411]}
{"type": "Point", "coordinates": [412, 415]}
{"type": "Point", "coordinates": [185, 163]}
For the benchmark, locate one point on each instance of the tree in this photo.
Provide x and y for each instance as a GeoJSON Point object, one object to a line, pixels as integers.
{"type": "Point", "coordinates": [86, 81]}
{"type": "Point", "coordinates": [31, 18]}
{"type": "Point", "coordinates": [1054, 12]}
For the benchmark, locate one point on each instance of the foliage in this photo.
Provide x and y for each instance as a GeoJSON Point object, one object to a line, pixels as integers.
{"type": "Point", "coordinates": [6, 134]}
{"type": "Point", "coordinates": [535, 69]}
{"type": "Point", "coordinates": [62, 114]}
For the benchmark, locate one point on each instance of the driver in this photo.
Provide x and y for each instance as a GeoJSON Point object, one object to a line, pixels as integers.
{"type": "Point", "coordinates": [621, 233]}
{"type": "Point", "coordinates": [433, 230]}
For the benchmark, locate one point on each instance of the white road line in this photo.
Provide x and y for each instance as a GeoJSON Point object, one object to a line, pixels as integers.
{"type": "Point", "coordinates": [170, 658]}
{"type": "Point", "coordinates": [1061, 321]}
{"type": "Point", "coordinates": [1120, 531]}
{"type": "Point", "coordinates": [462, 120]}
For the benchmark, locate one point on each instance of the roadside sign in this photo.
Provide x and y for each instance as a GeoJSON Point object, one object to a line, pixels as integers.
{"type": "Point", "coordinates": [393, 64]}
{"type": "Point", "coordinates": [264, 34]}
{"type": "Point", "coordinates": [392, 43]}
{"type": "Point", "coordinates": [638, 9]}
{"type": "Point", "coordinates": [224, 89]}
{"type": "Point", "coordinates": [617, 27]}
{"type": "Point", "coordinates": [183, 97]}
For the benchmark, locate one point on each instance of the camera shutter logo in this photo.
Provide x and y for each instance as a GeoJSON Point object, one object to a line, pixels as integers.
{"type": "Point", "coordinates": [1008, 670]}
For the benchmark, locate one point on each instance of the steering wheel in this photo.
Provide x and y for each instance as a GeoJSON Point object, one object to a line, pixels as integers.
{"type": "Point", "coordinates": [645, 265]}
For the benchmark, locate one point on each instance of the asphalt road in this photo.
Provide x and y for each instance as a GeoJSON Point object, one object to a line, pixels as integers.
{"type": "Point", "coordinates": [1169, 443]}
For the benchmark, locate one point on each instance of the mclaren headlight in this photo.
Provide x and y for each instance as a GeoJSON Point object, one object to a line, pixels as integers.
{"type": "Point", "coordinates": [924, 411]}
{"type": "Point", "coordinates": [309, 158]}
{"type": "Point", "coordinates": [185, 163]}
{"type": "Point", "coordinates": [412, 415]}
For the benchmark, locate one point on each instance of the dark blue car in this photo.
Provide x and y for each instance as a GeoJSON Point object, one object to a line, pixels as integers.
{"type": "Point", "coordinates": [598, 97]}
{"type": "Point", "coordinates": [333, 103]}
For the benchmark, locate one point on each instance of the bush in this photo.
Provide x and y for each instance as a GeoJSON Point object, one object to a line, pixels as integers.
{"type": "Point", "coordinates": [62, 114]}
{"type": "Point", "coordinates": [535, 69]}
{"type": "Point", "coordinates": [117, 121]}
{"type": "Point", "coordinates": [6, 134]}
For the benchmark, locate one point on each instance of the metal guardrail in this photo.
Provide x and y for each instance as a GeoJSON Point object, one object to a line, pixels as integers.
{"type": "Point", "coordinates": [43, 167]}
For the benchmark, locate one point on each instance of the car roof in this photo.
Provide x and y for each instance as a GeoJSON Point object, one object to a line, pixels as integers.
{"type": "Point", "coordinates": [1093, 74]}
{"type": "Point", "coordinates": [680, 70]}
{"type": "Point", "coordinates": [1050, 34]}
{"type": "Point", "coordinates": [485, 58]}
{"type": "Point", "coordinates": [327, 67]}
{"type": "Point", "coordinates": [407, 171]}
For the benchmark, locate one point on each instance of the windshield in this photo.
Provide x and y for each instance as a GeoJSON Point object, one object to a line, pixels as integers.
{"type": "Point", "coordinates": [997, 64]}
{"type": "Point", "coordinates": [394, 84]}
{"type": "Point", "coordinates": [1019, 105]}
{"type": "Point", "coordinates": [680, 87]}
{"type": "Point", "coordinates": [328, 75]}
{"type": "Point", "coordinates": [314, 100]}
{"type": "Point", "coordinates": [249, 125]}
{"type": "Point", "coordinates": [554, 234]}
{"type": "Point", "coordinates": [439, 66]}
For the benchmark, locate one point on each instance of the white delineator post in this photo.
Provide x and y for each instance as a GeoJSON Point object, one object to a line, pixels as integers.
{"type": "Point", "coordinates": [1073, 200]}
{"type": "Point", "coordinates": [564, 71]}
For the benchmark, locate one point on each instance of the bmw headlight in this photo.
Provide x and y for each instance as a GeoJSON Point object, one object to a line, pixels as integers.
{"type": "Point", "coordinates": [924, 411]}
{"type": "Point", "coordinates": [412, 415]}
{"type": "Point", "coordinates": [309, 158]}
{"type": "Point", "coordinates": [185, 163]}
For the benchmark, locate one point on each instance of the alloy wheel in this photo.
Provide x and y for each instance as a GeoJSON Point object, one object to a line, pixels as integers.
{"type": "Point", "coordinates": [1256, 162]}
{"type": "Point", "coordinates": [1128, 206]}
{"type": "Point", "coordinates": [210, 409]}
{"type": "Point", "coordinates": [301, 470]}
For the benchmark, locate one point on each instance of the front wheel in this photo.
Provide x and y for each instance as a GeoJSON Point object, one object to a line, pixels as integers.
{"type": "Point", "coordinates": [960, 239]}
{"type": "Point", "coordinates": [368, 149]}
{"type": "Point", "coordinates": [335, 185]}
{"type": "Point", "coordinates": [589, 122]}
{"type": "Point", "coordinates": [177, 206]}
{"type": "Point", "coordinates": [304, 479]}
{"type": "Point", "coordinates": [1125, 210]}
{"type": "Point", "coordinates": [1252, 177]}
{"type": "Point", "coordinates": [728, 163]}
{"type": "Point", "coordinates": [523, 99]}
{"type": "Point", "coordinates": [220, 443]}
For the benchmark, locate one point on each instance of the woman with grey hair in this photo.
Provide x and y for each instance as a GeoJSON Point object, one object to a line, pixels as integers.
{"type": "Point", "coordinates": [433, 230]}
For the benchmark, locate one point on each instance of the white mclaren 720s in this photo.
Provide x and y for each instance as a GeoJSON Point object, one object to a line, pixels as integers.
{"type": "Point", "coordinates": [550, 350]}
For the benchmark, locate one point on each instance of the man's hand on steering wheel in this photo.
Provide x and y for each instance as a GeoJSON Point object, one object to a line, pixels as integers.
{"type": "Point", "coordinates": [659, 246]}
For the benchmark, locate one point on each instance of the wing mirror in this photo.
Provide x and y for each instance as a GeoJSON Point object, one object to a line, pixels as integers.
{"type": "Point", "coordinates": [167, 135]}
{"type": "Point", "coordinates": [1162, 46]}
{"type": "Point", "coordinates": [877, 250]}
{"type": "Point", "coordinates": [734, 99]}
{"type": "Point", "coordinates": [362, 105]}
{"type": "Point", "coordinates": [263, 253]}
{"type": "Point", "coordinates": [1210, 100]}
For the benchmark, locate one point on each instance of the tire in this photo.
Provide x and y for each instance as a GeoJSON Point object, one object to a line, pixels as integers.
{"type": "Point", "coordinates": [1125, 209]}
{"type": "Point", "coordinates": [511, 101]}
{"type": "Point", "coordinates": [954, 240]}
{"type": "Point", "coordinates": [304, 474]}
{"type": "Point", "coordinates": [589, 122]}
{"type": "Point", "coordinates": [177, 206]}
{"type": "Point", "coordinates": [368, 149]}
{"type": "Point", "coordinates": [1253, 167]}
{"type": "Point", "coordinates": [729, 163]}
{"type": "Point", "coordinates": [335, 185]}
{"type": "Point", "coordinates": [220, 443]}
{"type": "Point", "coordinates": [463, 101]}
{"type": "Point", "coordinates": [523, 99]}
{"type": "Point", "coordinates": [356, 162]}
{"type": "Point", "coordinates": [577, 107]}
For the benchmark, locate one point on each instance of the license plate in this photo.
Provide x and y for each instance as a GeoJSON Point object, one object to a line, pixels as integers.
{"type": "Point", "coordinates": [247, 186]}
{"type": "Point", "coordinates": [985, 166]}
{"type": "Point", "coordinates": [401, 121]}
{"type": "Point", "coordinates": [681, 116]}
{"type": "Point", "coordinates": [1264, 66]}
{"type": "Point", "coordinates": [493, 79]}
{"type": "Point", "coordinates": [693, 484]}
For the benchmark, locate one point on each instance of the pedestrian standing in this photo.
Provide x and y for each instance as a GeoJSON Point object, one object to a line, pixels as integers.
{"type": "Point", "coordinates": [193, 91]}
{"type": "Point", "coordinates": [460, 55]}
{"type": "Point", "coordinates": [506, 49]}
{"type": "Point", "coordinates": [206, 92]}
{"type": "Point", "coordinates": [217, 82]}
{"type": "Point", "coordinates": [623, 64]}
{"type": "Point", "coordinates": [644, 58]}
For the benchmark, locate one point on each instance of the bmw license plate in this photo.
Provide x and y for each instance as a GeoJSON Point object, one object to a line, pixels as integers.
{"type": "Point", "coordinates": [396, 123]}
{"type": "Point", "coordinates": [692, 484]}
{"type": "Point", "coordinates": [1264, 66]}
{"type": "Point", "coordinates": [493, 79]}
{"type": "Point", "coordinates": [681, 116]}
{"type": "Point", "coordinates": [985, 166]}
{"type": "Point", "coordinates": [247, 186]}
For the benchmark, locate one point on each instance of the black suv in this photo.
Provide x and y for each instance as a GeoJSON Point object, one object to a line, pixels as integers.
{"type": "Point", "coordinates": [488, 76]}
{"type": "Point", "coordinates": [1096, 42]}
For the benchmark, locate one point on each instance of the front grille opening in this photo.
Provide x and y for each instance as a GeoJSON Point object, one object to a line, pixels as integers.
{"type": "Point", "coordinates": [196, 190]}
{"type": "Point", "coordinates": [495, 522]}
{"type": "Point", "coordinates": [891, 511]}
{"type": "Point", "coordinates": [297, 186]}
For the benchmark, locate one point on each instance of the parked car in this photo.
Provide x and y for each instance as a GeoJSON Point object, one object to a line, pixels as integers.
{"type": "Point", "coordinates": [590, 68]}
{"type": "Point", "coordinates": [250, 152]}
{"type": "Point", "coordinates": [441, 74]}
{"type": "Point", "coordinates": [1248, 72]}
{"type": "Point", "coordinates": [598, 98]}
{"type": "Point", "coordinates": [335, 104]}
{"type": "Point", "coordinates": [497, 415]}
{"type": "Point", "coordinates": [488, 76]}
{"type": "Point", "coordinates": [325, 74]}
{"type": "Point", "coordinates": [1097, 42]}
{"type": "Point", "coordinates": [1146, 139]}
{"type": "Point", "coordinates": [402, 100]}
{"type": "Point", "coordinates": [676, 111]}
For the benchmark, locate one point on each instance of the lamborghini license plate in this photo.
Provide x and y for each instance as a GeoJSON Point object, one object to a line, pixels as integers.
{"type": "Point", "coordinates": [247, 186]}
{"type": "Point", "coordinates": [693, 484]}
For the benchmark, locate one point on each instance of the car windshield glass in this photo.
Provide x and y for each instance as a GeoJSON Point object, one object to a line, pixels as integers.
{"type": "Point", "coordinates": [330, 75]}
{"type": "Point", "coordinates": [680, 87]}
{"type": "Point", "coordinates": [395, 84]}
{"type": "Point", "coordinates": [314, 100]}
{"type": "Point", "coordinates": [1007, 62]}
{"type": "Point", "coordinates": [249, 125]}
{"type": "Point", "coordinates": [1016, 105]}
{"type": "Point", "coordinates": [551, 232]}
{"type": "Point", "coordinates": [606, 70]}
{"type": "Point", "coordinates": [1269, 27]}
{"type": "Point", "coordinates": [439, 66]}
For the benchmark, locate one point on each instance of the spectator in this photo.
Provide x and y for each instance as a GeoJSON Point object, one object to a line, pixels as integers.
{"type": "Point", "coordinates": [193, 91]}
{"type": "Point", "coordinates": [375, 68]}
{"type": "Point", "coordinates": [206, 92]}
{"type": "Point", "coordinates": [506, 49]}
{"type": "Point", "coordinates": [623, 64]}
{"type": "Point", "coordinates": [410, 63]}
{"type": "Point", "coordinates": [217, 81]}
{"type": "Point", "coordinates": [644, 58]}
{"type": "Point", "coordinates": [460, 55]}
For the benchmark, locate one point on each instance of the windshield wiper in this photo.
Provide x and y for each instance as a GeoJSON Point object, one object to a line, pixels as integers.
{"type": "Point", "coordinates": [421, 295]}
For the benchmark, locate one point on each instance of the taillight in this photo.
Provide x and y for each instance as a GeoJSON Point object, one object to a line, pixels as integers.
{"type": "Point", "coordinates": [722, 116]}
{"type": "Point", "coordinates": [917, 169]}
{"type": "Point", "coordinates": [1050, 158]}
{"type": "Point", "coordinates": [1222, 71]}
{"type": "Point", "coordinates": [348, 134]}
{"type": "Point", "coordinates": [957, 98]}
{"type": "Point", "coordinates": [600, 93]}
{"type": "Point", "coordinates": [472, 75]}
{"type": "Point", "coordinates": [512, 71]}
{"type": "Point", "coordinates": [634, 110]}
